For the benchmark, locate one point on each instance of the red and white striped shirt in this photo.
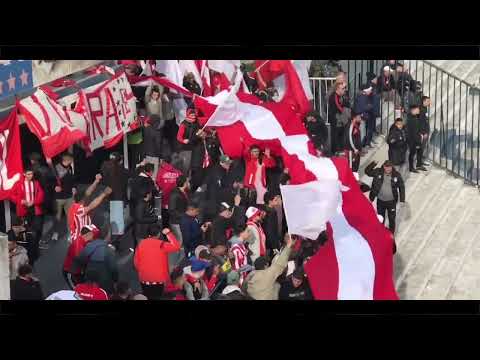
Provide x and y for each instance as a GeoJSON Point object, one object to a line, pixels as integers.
{"type": "Point", "coordinates": [240, 252]}
{"type": "Point", "coordinates": [77, 219]}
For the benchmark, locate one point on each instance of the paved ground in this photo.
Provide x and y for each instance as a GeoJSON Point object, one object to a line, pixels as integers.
{"type": "Point", "coordinates": [50, 264]}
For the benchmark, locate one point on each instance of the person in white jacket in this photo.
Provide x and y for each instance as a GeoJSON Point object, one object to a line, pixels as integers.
{"type": "Point", "coordinates": [257, 240]}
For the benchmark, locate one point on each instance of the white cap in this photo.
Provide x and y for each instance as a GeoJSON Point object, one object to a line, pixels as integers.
{"type": "Point", "coordinates": [386, 68]}
{"type": "Point", "coordinates": [251, 212]}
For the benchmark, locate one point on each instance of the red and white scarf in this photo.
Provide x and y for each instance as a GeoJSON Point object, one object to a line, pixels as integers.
{"type": "Point", "coordinates": [29, 187]}
{"type": "Point", "coordinates": [262, 236]}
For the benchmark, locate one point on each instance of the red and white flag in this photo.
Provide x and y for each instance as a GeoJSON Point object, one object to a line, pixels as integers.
{"type": "Point", "coordinates": [56, 127]}
{"type": "Point", "coordinates": [287, 80]}
{"type": "Point", "coordinates": [11, 168]}
{"type": "Point", "coordinates": [357, 260]}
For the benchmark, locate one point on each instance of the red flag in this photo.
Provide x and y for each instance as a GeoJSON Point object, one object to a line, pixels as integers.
{"type": "Point", "coordinates": [57, 128]}
{"type": "Point", "coordinates": [11, 168]}
{"type": "Point", "coordinates": [357, 260]}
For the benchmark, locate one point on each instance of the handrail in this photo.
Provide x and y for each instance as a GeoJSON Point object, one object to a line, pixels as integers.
{"type": "Point", "coordinates": [438, 68]}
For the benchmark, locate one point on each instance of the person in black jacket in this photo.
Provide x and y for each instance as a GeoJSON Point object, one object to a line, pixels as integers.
{"type": "Point", "coordinates": [336, 107]}
{"type": "Point", "coordinates": [405, 86]}
{"type": "Point", "coordinates": [219, 181]}
{"type": "Point", "coordinates": [386, 85]}
{"type": "Point", "coordinates": [387, 186]}
{"type": "Point", "coordinates": [141, 183]}
{"type": "Point", "coordinates": [152, 142]}
{"type": "Point", "coordinates": [397, 143]}
{"type": "Point", "coordinates": [416, 136]}
{"type": "Point", "coordinates": [190, 137]}
{"type": "Point", "coordinates": [25, 286]}
{"type": "Point", "coordinates": [177, 205]}
{"type": "Point", "coordinates": [354, 141]}
{"type": "Point", "coordinates": [424, 123]}
{"type": "Point", "coordinates": [191, 85]}
{"type": "Point", "coordinates": [46, 178]}
{"type": "Point", "coordinates": [317, 130]}
{"type": "Point", "coordinates": [295, 287]}
{"type": "Point", "coordinates": [270, 223]}
{"type": "Point", "coordinates": [144, 217]}
{"type": "Point", "coordinates": [222, 226]}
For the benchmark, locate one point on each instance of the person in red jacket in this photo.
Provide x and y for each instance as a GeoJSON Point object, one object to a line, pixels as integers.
{"type": "Point", "coordinates": [28, 196]}
{"type": "Point", "coordinates": [174, 290]}
{"type": "Point", "coordinates": [167, 181]}
{"type": "Point", "coordinates": [256, 164]}
{"type": "Point", "coordinates": [151, 261]}
{"type": "Point", "coordinates": [88, 233]}
{"type": "Point", "coordinates": [90, 290]}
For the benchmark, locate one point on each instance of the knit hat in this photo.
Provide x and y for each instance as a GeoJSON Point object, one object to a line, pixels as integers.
{"type": "Point", "coordinates": [199, 249]}
{"type": "Point", "coordinates": [387, 163]}
{"type": "Point", "coordinates": [233, 277]}
{"type": "Point", "coordinates": [252, 212]}
{"type": "Point", "coordinates": [298, 274]}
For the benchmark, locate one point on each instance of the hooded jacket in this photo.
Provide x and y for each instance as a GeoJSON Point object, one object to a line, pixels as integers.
{"type": "Point", "coordinates": [167, 181]}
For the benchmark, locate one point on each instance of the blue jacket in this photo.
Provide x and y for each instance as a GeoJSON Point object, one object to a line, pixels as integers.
{"type": "Point", "coordinates": [363, 105]}
{"type": "Point", "coordinates": [191, 233]}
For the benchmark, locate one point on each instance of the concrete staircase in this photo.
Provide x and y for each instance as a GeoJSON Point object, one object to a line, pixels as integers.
{"type": "Point", "coordinates": [438, 239]}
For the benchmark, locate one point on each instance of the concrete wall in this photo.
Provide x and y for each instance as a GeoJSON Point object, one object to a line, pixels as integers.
{"type": "Point", "coordinates": [4, 269]}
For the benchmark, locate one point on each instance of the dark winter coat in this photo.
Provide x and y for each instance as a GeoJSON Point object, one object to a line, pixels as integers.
{"type": "Point", "coordinates": [397, 145]}
{"type": "Point", "coordinates": [414, 131]}
{"type": "Point", "coordinates": [219, 182]}
{"type": "Point", "coordinates": [177, 205]}
{"type": "Point", "coordinates": [424, 121]}
{"type": "Point", "coordinates": [21, 289]}
{"type": "Point", "coordinates": [378, 174]}
{"type": "Point", "coordinates": [191, 233]}
{"type": "Point", "coordinates": [289, 292]}
{"type": "Point", "coordinates": [152, 141]}
{"type": "Point", "coordinates": [270, 227]}
{"type": "Point", "coordinates": [353, 137]}
{"type": "Point", "coordinates": [383, 85]}
{"type": "Point", "coordinates": [144, 217]}
{"type": "Point", "coordinates": [98, 257]}
{"type": "Point", "coordinates": [116, 177]}
{"type": "Point", "coordinates": [318, 132]}
{"type": "Point", "coordinates": [363, 105]}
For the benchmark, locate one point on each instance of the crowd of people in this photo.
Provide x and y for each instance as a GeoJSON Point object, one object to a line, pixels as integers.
{"type": "Point", "coordinates": [205, 226]}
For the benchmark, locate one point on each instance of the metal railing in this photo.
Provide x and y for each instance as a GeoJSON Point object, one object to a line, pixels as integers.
{"type": "Point", "coordinates": [453, 115]}
{"type": "Point", "coordinates": [320, 89]}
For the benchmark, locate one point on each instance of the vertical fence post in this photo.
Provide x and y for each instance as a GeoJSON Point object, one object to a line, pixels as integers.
{"type": "Point", "coordinates": [478, 136]}
{"type": "Point", "coordinates": [8, 217]}
{"type": "Point", "coordinates": [448, 103]}
{"type": "Point", "coordinates": [471, 141]}
{"type": "Point", "coordinates": [435, 123]}
{"type": "Point", "coordinates": [4, 268]}
{"type": "Point", "coordinates": [465, 134]}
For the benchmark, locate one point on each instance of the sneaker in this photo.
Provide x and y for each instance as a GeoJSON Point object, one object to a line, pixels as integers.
{"type": "Point", "coordinates": [55, 237]}
{"type": "Point", "coordinates": [43, 245]}
{"type": "Point", "coordinates": [422, 168]}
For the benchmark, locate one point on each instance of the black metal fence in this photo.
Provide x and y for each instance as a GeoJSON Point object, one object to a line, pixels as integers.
{"type": "Point", "coordinates": [454, 111]}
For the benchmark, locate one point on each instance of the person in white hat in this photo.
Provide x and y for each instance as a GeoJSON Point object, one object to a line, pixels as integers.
{"type": "Point", "coordinates": [257, 241]}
